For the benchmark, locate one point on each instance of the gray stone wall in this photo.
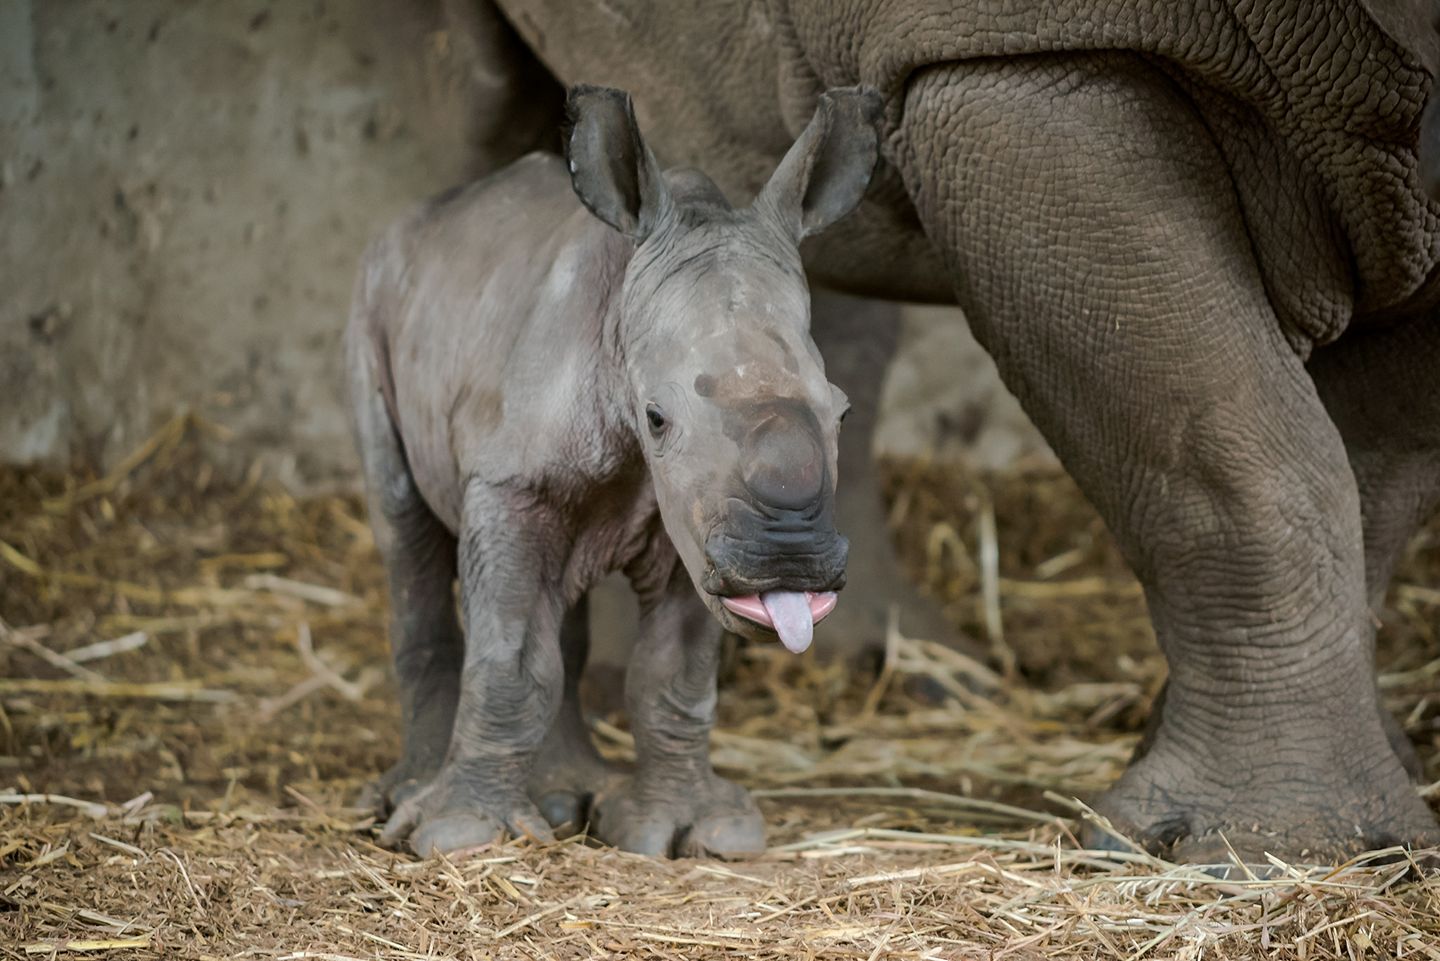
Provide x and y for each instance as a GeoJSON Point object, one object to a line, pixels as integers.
{"type": "Point", "coordinates": [184, 191]}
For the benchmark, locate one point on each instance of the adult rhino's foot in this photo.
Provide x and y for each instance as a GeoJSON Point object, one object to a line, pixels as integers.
{"type": "Point", "coordinates": [1400, 742]}
{"type": "Point", "coordinates": [714, 818]}
{"type": "Point", "coordinates": [1198, 809]}
{"type": "Point", "coordinates": [459, 810]}
{"type": "Point", "coordinates": [567, 775]}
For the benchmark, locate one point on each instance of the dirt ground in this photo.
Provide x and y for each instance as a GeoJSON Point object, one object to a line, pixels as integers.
{"type": "Point", "coordinates": [180, 790]}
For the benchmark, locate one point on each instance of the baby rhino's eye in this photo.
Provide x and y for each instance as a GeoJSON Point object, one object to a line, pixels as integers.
{"type": "Point", "coordinates": [656, 419]}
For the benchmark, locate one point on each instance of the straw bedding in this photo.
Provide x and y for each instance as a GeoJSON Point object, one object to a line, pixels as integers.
{"type": "Point", "coordinates": [192, 686]}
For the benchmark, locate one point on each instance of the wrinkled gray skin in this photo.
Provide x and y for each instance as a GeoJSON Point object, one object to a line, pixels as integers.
{"type": "Point", "coordinates": [545, 394]}
{"type": "Point", "coordinates": [1196, 240]}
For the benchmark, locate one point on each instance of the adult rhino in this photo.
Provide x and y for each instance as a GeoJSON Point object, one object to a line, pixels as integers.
{"type": "Point", "coordinates": [1194, 238]}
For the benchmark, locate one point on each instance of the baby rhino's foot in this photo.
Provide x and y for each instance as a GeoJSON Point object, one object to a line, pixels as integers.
{"type": "Point", "coordinates": [565, 795]}
{"type": "Point", "coordinates": [453, 813]}
{"type": "Point", "coordinates": [680, 819]}
{"type": "Point", "coordinates": [393, 788]}
{"type": "Point", "coordinates": [567, 775]}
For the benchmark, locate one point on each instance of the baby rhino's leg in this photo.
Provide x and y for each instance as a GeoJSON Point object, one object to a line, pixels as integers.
{"type": "Point", "coordinates": [569, 771]}
{"type": "Point", "coordinates": [675, 804]}
{"type": "Point", "coordinates": [426, 648]}
{"type": "Point", "coordinates": [510, 682]}
{"type": "Point", "coordinates": [419, 556]}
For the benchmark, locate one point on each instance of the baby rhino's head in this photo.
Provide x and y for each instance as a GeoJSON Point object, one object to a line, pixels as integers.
{"type": "Point", "coordinates": [728, 395]}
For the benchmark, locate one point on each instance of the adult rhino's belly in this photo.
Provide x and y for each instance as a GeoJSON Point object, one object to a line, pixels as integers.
{"type": "Point", "coordinates": [712, 89]}
{"type": "Point", "coordinates": [703, 75]}
{"type": "Point", "coordinates": [717, 81]}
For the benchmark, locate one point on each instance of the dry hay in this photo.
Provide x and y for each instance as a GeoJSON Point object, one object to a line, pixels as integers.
{"type": "Point", "coordinates": [191, 686]}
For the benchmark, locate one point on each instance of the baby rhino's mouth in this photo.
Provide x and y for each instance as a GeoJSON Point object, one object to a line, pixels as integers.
{"type": "Point", "coordinates": [791, 614]}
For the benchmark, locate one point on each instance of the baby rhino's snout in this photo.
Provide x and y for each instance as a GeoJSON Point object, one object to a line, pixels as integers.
{"type": "Point", "coordinates": [784, 464]}
{"type": "Point", "coordinates": [779, 533]}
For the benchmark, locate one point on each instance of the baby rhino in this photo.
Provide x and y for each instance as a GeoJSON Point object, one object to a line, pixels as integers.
{"type": "Point", "coordinates": [546, 392]}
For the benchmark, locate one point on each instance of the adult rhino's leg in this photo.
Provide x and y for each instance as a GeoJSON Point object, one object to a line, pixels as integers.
{"type": "Point", "coordinates": [568, 770]}
{"type": "Point", "coordinates": [511, 546]}
{"type": "Point", "coordinates": [419, 557]}
{"type": "Point", "coordinates": [675, 804]}
{"type": "Point", "coordinates": [1098, 251]}
{"type": "Point", "coordinates": [512, 103]}
{"type": "Point", "coordinates": [1430, 147]}
{"type": "Point", "coordinates": [857, 338]}
{"type": "Point", "coordinates": [1380, 388]}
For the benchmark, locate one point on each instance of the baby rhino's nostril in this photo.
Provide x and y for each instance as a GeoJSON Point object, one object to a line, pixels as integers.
{"type": "Point", "coordinates": [784, 466]}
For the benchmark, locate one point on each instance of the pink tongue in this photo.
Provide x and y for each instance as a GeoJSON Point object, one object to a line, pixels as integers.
{"type": "Point", "coordinates": [790, 615]}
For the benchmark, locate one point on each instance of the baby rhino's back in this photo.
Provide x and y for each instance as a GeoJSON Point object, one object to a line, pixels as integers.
{"type": "Point", "coordinates": [484, 310]}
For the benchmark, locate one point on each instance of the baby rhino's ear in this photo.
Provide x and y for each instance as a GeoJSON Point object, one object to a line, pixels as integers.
{"type": "Point", "coordinates": [825, 173]}
{"type": "Point", "coordinates": [611, 168]}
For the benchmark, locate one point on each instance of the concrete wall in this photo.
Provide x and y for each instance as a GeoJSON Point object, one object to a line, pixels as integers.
{"type": "Point", "coordinates": [185, 189]}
